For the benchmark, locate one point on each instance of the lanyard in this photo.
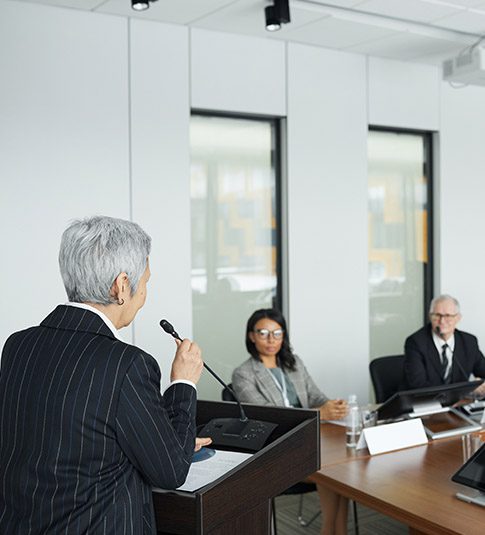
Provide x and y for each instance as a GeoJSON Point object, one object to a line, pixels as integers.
{"type": "Point", "coordinates": [282, 388]}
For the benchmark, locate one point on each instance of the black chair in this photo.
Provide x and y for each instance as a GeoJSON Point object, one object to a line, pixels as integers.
{"type": "Point", "coordinates": [227, 394]}
{"type": "Point", "coordinates": [387, 374]}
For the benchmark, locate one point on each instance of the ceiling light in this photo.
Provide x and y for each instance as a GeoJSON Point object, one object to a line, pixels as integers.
{"type": "Point", "coordinates": [277, 14]}
{"type": "Point", "coordinates": [272, 23]}
{"type": "Point", "coordinates": [141, 5]}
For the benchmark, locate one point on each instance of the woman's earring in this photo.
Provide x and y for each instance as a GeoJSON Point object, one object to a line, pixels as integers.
{"type": "Point", "coordinates": [121, 301]}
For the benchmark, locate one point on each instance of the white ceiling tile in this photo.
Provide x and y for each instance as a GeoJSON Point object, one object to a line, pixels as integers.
{"type": "Point", "coordinates": [171, 11]}
{"type": "Point", "coordinates": [472, 21]}
{"type": "Point", "coordinates": [465, 3]}
{"type": "Point", "coordinates": [437, 59]}
{"type": "Point", "coordinates": [85, 5]}
{"type": "Point", "coordinates": [336, 3]}
{"type": "Point", "coordinates": [415, 10]}
{"type": "Point", "coordinates": [407, 46]}
{"type": "Point", "coordinates": [337, 33]}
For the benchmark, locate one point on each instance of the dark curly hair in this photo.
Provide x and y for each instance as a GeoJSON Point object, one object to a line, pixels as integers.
{"type": "Point", "coordinates": [285, 356]}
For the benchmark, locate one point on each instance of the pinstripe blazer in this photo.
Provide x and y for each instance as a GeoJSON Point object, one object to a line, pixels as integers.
{"type": "Point", "coordinates": [84, 430]}
{"type": "Point", "coordinates": [253, 383]}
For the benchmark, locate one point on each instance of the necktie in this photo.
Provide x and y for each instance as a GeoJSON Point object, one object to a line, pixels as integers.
{"type": "Point", "coordinates": [444, 361]}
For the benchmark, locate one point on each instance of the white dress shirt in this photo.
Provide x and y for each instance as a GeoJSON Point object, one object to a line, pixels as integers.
{"type": "Point", "coordinates": [439, 343]}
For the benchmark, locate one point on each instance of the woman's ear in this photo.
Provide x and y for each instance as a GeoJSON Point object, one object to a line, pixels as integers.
{"type": "Point", "coordinates": [120, 286]}
{"type": "Point", "coordinates": [251, 336]}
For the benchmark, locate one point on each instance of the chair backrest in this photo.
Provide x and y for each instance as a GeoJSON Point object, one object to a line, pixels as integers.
{"type": "Point", "coordinates": [227, 394]}
{"type": "Point", "coordinates": [387, 374]}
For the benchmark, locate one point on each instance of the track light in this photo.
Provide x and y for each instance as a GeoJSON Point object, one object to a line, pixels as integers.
{"type": "Point", "coordinates": [272, 23]}
{"type": "Point", "coordinates": [277, 14]}
{"type": "Point", "coordinates": [141, 5]}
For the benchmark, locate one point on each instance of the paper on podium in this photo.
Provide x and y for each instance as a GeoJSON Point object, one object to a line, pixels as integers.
{"type": "Point", "coordinates": [389, 437]}
{"type": "Point", "coordinates": [204, 472]}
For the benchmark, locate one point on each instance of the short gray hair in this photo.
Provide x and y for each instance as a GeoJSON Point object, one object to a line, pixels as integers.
{"type": "Point", "coordinates": [444, 297]}
{"type": "Point", "coordinates": [95, 250]}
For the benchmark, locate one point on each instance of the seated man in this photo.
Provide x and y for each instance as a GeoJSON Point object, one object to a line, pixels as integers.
{"type": "Point", "coordinates": [439, 353]}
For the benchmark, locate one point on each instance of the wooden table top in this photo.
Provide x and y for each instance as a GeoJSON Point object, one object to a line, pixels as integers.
{"type": "Point", "coordinates": [411, 485]}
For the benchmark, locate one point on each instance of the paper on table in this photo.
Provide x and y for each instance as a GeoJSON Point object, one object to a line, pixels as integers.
{"type": "Point", "coordinates": [342, 422]}
{"type": "Point", "coordinates": [204, 472]}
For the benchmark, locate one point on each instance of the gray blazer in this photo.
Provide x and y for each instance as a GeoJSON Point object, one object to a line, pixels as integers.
{"type": "Point", "coordinates": [253, 383]}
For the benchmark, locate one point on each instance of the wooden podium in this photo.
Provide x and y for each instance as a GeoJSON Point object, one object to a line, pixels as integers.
{"type": "Point", "coordinates": [240, 501]}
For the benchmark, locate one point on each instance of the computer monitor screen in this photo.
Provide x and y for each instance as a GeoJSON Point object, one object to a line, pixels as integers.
{"type": "Point", "coordinates": [406, 401]}
{"type": "Point", "coordinates": [472, 473]}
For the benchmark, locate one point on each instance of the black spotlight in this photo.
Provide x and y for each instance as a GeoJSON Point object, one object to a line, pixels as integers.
{"type": "Point", "coordinates": [272, 23]}
{"type": "Point", "coordinates": [277, 14]}
{"type": "Point", "coordinates": [141, 5]}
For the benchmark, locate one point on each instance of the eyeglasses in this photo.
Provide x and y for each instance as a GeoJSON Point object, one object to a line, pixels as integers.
{"type": "Point", "coordinates": [439, 317]}
{"type": "Point", "coordinates": [264, 333]}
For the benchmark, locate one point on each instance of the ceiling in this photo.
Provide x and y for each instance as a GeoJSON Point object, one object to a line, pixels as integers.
{"type": "Point", "coordinates": [423, 31]}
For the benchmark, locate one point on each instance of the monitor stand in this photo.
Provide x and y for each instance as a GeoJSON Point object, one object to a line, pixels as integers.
{"type": "Point", "coordinates": [472, 496]}
{"type": "Point", "coordinates": [446, 422]}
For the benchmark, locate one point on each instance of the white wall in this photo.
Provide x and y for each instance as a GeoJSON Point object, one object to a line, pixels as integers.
{"type": "Point", "coordinates": [236, 73]}
{"type": "Point", "coordinates": [403, 95]}
{"type": "Point", "coordinates": [63, 144]}
{"type": "Point", "coordinates": [94, 115]}
{"type": "Point", "coordinates": [327, 216]}
{"type": "Point", "coordinates": [160, 179]}
{"type": "Point", "coordinates": [461, 200]}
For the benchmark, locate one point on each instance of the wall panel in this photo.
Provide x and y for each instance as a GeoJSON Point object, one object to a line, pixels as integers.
{"type": "Point", "coordinates": [327, 217]}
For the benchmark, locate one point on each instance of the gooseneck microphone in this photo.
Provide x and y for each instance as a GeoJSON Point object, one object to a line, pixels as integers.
{"type": "Point", "coordinates": [231, 432]}
{"type": "Point", "coordinates": [168, 328]}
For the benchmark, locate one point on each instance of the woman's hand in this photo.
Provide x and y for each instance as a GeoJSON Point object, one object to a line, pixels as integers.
{"type": "Point", "coordinates": [201, 441]}
{"type": "Point", "coordinates": [187, 364]}
{"type": "Point", "coordinates": [333, 409]}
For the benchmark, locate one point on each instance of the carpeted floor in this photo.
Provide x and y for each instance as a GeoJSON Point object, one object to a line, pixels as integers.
{"type": "Point", "coordinates": [370, 522]}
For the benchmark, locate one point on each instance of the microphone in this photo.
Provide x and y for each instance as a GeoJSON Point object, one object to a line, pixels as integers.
{"type": "Point", "coordinates": [437, 330]}
{"type": "Point", "coordinates": [231, 432]}
{"type": "Point", "coordinates": [168, 328]}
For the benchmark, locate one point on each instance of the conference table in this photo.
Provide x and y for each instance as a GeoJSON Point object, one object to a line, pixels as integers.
{"type": "Point", "coordinates": [411, 485]}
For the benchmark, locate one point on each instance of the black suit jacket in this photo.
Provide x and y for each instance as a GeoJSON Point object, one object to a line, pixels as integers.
{"type": "Point", "coordinates": [85, 432]}
{"type": "Point", "coordinates": [422, 363]}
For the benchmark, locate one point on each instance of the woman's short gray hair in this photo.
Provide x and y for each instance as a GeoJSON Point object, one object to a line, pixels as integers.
{"type": "Point", "coordinates": [95, 250]}
{"type": "Point", "coordinates": [444, 297]}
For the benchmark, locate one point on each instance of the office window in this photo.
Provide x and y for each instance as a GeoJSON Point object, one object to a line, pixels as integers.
{"type": "Point", "coordinates": [400, 269]}
{"type": "Point", "coordinates": [235, 235]}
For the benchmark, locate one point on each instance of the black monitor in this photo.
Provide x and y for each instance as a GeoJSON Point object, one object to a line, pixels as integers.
{"type": "Point", "coordinates": [425, 400]}
{"type": "Point", "coordinates": [472, 473]}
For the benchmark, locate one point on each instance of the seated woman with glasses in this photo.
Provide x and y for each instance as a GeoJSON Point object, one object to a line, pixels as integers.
{"type": "Point", "coordinates": [274, 375]}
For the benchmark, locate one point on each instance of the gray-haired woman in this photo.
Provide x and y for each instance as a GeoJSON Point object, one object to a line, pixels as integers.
{"type": "Point", "coordinates": [86, 433]}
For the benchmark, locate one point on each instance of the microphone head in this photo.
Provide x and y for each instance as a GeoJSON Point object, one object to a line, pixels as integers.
{"type": "Point", "coordinates": [437, 330]}
{"type": "Point", "coordinates": [167, 326]}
